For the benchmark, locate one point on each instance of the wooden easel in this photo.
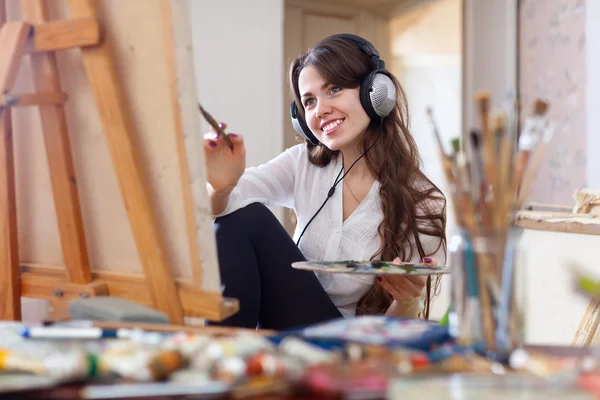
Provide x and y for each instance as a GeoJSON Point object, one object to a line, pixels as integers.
{"type": "Point", "coordinates": [41, 38]}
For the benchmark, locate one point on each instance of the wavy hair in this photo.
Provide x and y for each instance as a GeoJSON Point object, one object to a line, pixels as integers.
{"type": "Point", "coordinates": [411, 203]}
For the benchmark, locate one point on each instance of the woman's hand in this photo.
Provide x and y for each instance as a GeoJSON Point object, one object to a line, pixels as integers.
{"type": "Point", "coordinates": [403, 288]}
{"type": "Point", "coordinates": [224, 166]}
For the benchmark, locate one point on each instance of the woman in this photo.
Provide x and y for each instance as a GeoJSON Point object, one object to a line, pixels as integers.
{"type": "Point", "coordinates": [356, 189]}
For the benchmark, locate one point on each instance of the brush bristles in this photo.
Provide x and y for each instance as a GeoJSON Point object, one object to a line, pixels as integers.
{"type": "Point", "coordinates": [497, 169]}
{"type": "Point", "coordinates": [483, 100]}
{"type": "Point", "coordinates": [455, 145]}
{"type": "Point", "coordinates": [475, 139]}
{"type": "Point", "coordinates": [500, 122]}
{"type": "Point", "coordinates": [540, 107]}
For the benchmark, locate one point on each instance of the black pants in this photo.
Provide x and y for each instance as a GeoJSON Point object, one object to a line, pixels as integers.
{"type": "Point", "coordinates": [255, 256]}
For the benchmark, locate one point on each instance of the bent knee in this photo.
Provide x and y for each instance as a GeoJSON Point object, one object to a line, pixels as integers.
{"type": "Point", "coordinates": [252, 213]}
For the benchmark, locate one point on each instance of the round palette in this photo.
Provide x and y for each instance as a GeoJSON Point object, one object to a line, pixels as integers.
{"type": "Point", "coordinates": [370, 268]}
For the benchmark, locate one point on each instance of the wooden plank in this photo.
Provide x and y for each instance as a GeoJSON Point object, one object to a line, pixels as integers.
{"type": "Point", "coordinates": [40, 281]}
{"type": "Point", "coordinates": [548, 207]}
{"type": "Point", "coordinates": [568, 227]}
{"type": "Point", "coordinates": [10, 287]}
{"type": "Point", "coordinates": [588, 328]}
{"type": "Point", "coordinates": [58, 150]}
{"type": "Point", "coordinates": [33, 99]}
{"type": "Point", "coordinates": [118, 129]}
{"type": "Point", "coordinates": [12, 42]}
{"type": "Point", "coordinates": [65, 34]}
{"type": "Point", "coordinates": [183, 152]}
{"type": "Point", "coordinates": [321, 8]}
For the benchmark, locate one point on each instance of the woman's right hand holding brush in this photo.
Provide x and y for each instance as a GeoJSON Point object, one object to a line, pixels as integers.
{"type": "Point", "coordinates": [224, 166]}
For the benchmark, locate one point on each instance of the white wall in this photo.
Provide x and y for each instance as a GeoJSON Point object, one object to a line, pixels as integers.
{"type": "Point", "coordinates": [238, 56]}
{"type": "Point", "coordinates": [427, 48]}
{"type": "Point", "coordinates": [593, 92]}
{"type": "Point", "coordinates": [490, 55]}
{"type": "Point", "coordinates": [554, 308]}
{"type": "Point", "coordinates": [436, 84]}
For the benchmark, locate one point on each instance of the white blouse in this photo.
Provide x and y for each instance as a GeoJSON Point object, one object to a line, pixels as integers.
{"type": "Point", "coordinates": [291, 181]}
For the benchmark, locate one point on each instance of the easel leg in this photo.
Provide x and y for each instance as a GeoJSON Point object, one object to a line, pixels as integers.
{"type": "Point", "coordinates": [13, 37]}
{"type": "Point", "coordinates": [119, 132]}
{"type": "Point", "coordinates": [10, 286]}
{"type": "Point", "coordinates": [588, 327]}
{"type": "Point", "coordinates": [58, 149]}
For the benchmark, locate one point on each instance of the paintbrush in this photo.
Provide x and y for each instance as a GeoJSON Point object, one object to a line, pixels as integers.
{"type": "Point", "coordinates": [503, 191]}
{"type": "Point", "coordinates": [487, 135]}
{"type": "Point", "coordinates": [447, 160]}
{"type": "Point", "coordinates": [461, 169]}
{"type": "Point", "coordinates": [484, 261]}
{"type": "Point", "coordinates": [533, 168]}
{"type": "Point", "coordinates": [532, 128]}
{"type": "Point", "coordinates": [588, 285]}
{"type": "Point", "coordinates": [436, 132]}
{"type": "Point", "coordinates": [216, 126]}
{"type": "Point", "coordinates": [584, 281]}
{"type": "Point", "coordinates": [455, 144]}
{"type": "Point", "coordinates": [479, 179]}
{"type": "Point", "coordinates": [453, 170]}
{"type": "Point", "coordinates": [448, 166]}
{"type": "Point", "coordinates": [500, 131]}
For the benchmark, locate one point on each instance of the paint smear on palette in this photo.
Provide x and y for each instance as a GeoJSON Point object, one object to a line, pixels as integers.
{"type": "Point", "coordinates": [379, 330]}
{"type": "Point", "coordinates": [370, 268]}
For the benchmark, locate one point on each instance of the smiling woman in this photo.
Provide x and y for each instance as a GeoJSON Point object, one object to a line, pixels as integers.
{"type": "Point", "coordinates": [328, 107]}
{"type": "Point", "coordinates": [353, 116]}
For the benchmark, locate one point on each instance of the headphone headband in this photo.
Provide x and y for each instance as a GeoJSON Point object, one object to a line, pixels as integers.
{"type": "Point", "coordinates": [366, 46]}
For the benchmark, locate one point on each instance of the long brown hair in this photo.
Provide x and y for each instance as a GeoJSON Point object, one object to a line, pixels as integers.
{"type": "Point", "coordinates": [411, 203]}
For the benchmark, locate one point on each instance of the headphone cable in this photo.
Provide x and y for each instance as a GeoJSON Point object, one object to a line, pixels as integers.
{"type": "Point", "coordinates": [337, 181]}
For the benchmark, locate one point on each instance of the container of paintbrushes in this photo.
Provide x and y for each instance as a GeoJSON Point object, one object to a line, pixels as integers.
{"type": "Point", "coordinates": [488, 292]}
{"type": "Point", "coordinates": [484, 174]}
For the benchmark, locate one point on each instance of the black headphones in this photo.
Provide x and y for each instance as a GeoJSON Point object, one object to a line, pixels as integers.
{"type": "Point", "coordinates": [377, 90]}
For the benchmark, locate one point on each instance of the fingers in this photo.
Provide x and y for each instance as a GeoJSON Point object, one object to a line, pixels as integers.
{"type": "Point", "coordinates": [391, 289]}
{"type": "Point", "coordinates": [427, 261]}
{"type": "Point", "coordinates": [236, 139]}
{"type": "Point", "coordinates": [405, 285]}
{"type": "Point", "coordinates": [211, 141]}
{"type": "Point", "coordinates": [406, 291]}
{"type": "Point", "coordinates": [419, 281]}
{"type": "Point", "coordinates": [430, 261]}
{"type": "Point", "coordinates": [214, 141]}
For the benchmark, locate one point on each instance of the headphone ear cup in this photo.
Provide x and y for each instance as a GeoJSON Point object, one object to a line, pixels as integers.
{"type": "Point", "coordinates": [378, 94]}
{"type": "Point", "coordinates": [300, 125]}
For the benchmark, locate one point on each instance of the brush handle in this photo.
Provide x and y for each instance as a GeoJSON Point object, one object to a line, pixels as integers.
{"type": "Point", "coordinates": [487, 310]}
{"type": "Point", "coordinates": [216, 126]}
{"type": "Point", "coordinates": [522, 162]}
{"type": "Point", "coordinates": [530, 174]}
{"type": "Point", "coordinates": [589, 285]}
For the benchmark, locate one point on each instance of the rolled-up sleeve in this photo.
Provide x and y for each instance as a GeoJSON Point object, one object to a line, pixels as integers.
{"type": "Point", "coordinates": [271, 184]}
